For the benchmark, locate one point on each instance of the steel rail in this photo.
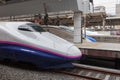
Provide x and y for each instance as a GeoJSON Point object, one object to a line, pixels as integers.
{"type": "Point", "coordinates": [97, 69]}
{"type": "Point", "coordinates": [77, 75]}
{"type": "Point", "coordinates": [80, 67]}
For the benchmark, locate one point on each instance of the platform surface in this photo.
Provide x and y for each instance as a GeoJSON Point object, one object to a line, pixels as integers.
{"type": "Point", "coordinates": [100, 46]}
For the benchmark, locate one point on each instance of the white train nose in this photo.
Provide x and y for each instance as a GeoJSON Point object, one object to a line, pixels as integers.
{"type": "Point", "coordinates": [74, 51]}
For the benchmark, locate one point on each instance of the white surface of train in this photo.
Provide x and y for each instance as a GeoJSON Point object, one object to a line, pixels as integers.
{"type": "Point", "coordinates": [29, 42]}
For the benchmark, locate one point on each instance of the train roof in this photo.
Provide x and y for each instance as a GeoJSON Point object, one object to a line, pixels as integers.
{"type": "Point", "coordinates": [12, 23]}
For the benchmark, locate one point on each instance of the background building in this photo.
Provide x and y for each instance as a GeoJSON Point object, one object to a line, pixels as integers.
{"type": "Point", "coordinates": [117, 9]}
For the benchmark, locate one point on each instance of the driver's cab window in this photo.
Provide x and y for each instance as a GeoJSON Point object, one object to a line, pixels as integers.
{"type": "Point", "coordinates": [31, 27]}
{"type": "Point", "coordinates": [27, 31]}
{"type": "Point", "coordinates": [25, 28]}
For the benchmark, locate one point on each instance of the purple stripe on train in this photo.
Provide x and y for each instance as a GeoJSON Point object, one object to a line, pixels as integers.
{"type": "Point", "coordinates": [51, 52]}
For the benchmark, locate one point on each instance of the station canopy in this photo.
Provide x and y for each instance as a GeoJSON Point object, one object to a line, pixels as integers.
{"type": "Point", "coordinates": [21, 7]}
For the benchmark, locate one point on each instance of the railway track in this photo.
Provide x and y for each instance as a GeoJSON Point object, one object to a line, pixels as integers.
{"type": "Point", "coordinates": [85, 72]}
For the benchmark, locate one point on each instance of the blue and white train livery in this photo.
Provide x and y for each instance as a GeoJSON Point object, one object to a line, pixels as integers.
{"type": "Point", "coordinates": [28, 42]}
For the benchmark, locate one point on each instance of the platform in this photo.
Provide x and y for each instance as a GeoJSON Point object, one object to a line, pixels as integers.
{"type": "Point", "coordinates": [100, 46]}
{"type": "Point", "coordinates": [111, 50]}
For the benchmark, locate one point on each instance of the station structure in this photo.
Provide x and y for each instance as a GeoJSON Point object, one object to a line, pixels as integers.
{"type": "Point", "coordinates": [80, 12]}
{"type": "Point", "coordinates": [26, 7]}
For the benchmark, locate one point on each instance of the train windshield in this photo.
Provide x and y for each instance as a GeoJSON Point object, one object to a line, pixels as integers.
{"type": "Point", "coordinates": [36, 27]}
{"type": "Point", "coordinates": [31, 27]}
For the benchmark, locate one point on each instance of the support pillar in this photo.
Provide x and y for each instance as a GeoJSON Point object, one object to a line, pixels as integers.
{"type": "Point", "coordinates": [84, 26]}
{"type": "Point", "coordinates": [77, 27]}
{"type": "Point", "coordinates": [104, 24]}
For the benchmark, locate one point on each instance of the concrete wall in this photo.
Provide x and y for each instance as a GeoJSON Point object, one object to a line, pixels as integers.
{"type": "Point", "coordinates": [118, 10]}
{"type": "Point", "coordinates": [36, 6]}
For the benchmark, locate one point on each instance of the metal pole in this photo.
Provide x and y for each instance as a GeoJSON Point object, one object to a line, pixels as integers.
{"type": "Point", "coordinates": [84, 26]}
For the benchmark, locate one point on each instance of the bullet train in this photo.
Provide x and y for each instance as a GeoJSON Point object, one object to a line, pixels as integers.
{"type": "Point", "coordinates": [29, 42]}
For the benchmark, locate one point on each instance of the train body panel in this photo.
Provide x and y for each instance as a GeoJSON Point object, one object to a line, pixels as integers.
{"type": "Point", "coordinates": [20, 41]}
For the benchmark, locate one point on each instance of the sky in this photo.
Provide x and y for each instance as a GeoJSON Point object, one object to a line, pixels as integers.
{"type": "Point", "coordinates": [109, 4]}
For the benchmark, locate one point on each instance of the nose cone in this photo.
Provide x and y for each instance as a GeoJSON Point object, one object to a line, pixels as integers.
{"type": "Point", "coordinates": [74, 52]}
